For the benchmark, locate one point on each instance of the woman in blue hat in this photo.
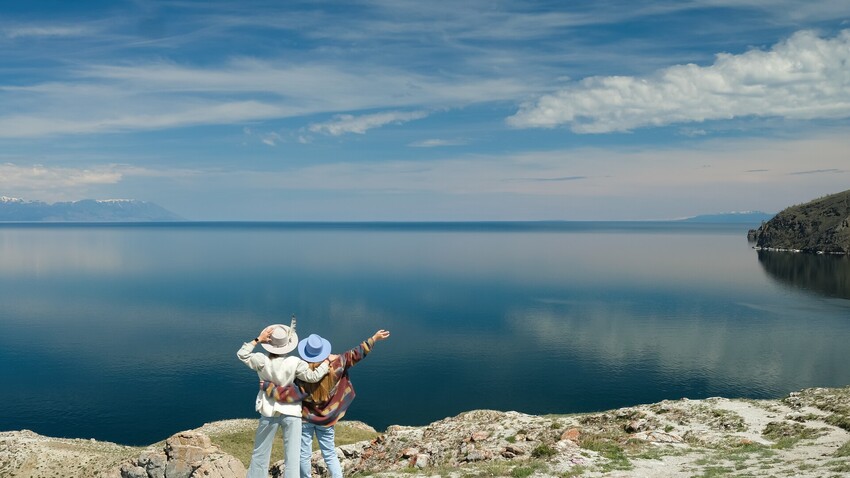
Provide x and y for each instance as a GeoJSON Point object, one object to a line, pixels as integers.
{"type": "Point", "coordinates": [326, 401]}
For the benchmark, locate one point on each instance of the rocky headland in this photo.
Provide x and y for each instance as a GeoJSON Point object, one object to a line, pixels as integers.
{"type": "Point", "coordinates": [819, 226]}
{"type": "Point", "coordinates": [806, 434]}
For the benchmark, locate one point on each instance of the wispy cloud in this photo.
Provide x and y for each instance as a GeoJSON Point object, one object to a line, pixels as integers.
{"type": "Point", "coordinates": [803, 77]}
{"type": "Point", "coordinates": [30, 31]}
{"type": "Point", "coordinates": [108, 98]}
{"type": "Point", "coordinates": [97, 120]}
{"type": "Point", "coordinates": [436, 143]}
{"type": "Point", "coordinates": [54, 183]}
{"type": "Point", "coordinates": [817, 171]}
{"type": "Point", "coordinates": [557, 179]}
{"type": "Point", "coordinates": [343, 124]}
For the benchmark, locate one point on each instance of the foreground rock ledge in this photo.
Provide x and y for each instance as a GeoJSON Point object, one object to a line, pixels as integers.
{"type": "Point", "coordinates": [806, 434]}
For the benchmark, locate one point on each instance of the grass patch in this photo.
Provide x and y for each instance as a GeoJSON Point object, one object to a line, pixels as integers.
{"type": "Point", "coordinates": [841, 421]}
{"type": "Point", "coordinates": [617, 459]}
{"type": "Point", "coordinates": [715, 471]}
{"type": "Point", "coordinates": [843, 450]}
{"type": "Point", "coordinates": [543, 451]}
{"type": "Point", "coordinates": [240, 443]}
{"type": "Point", "coordinates": [787, 434]}
{"type": "Point", "coordinates": [522, 471]}
{"type": "Point", "coordinates": [577, 470]}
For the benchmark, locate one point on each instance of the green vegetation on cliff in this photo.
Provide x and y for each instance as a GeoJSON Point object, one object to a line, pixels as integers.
{"type": "Point", "coordinates": [822, 225]}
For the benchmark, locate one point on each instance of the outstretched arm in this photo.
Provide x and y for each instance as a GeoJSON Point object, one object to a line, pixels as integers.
{"type": "Point", "coordinates": [356, 354]}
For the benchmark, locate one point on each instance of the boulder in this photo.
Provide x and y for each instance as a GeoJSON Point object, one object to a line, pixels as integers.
{"type": "Point", "coordinates": [187, 454]}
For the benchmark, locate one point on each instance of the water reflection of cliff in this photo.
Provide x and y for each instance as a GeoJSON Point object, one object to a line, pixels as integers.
{"type": "Point", "coordinates": [823, 274]}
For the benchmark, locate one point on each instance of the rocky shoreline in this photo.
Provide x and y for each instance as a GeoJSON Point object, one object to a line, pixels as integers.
{"type": "Point", "coordinates": [806, 434]}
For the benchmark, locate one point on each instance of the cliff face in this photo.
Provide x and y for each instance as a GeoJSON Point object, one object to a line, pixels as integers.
{"type": "Point", "coordinates": [822, 225]}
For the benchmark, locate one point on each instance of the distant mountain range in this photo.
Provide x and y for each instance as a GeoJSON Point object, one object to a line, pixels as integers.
{"type": "Point", "coordinates": [86, 210]}
{"type": "Point", "coordinates": [738, 217]}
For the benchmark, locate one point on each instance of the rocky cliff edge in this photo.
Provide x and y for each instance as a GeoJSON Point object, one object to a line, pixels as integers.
{"type": "Point", "coordinates": [806, 434]}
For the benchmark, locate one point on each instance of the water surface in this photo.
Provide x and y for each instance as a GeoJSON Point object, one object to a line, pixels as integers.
{"type": "Point", "coordinates": [128, 333]}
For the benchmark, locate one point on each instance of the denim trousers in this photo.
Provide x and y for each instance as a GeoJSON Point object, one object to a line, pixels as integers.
{"type": "Point", "coordinates": [263, 439]}
{"type": "Point", "coordinates": [325, 437]}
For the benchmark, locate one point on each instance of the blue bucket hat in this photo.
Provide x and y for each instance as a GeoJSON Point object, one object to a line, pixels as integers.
{"type": "Point", "coordinates": [314, 348]}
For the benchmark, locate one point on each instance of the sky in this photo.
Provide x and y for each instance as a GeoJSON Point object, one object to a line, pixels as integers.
{"type": "Point", "coordinates": [384, 110]}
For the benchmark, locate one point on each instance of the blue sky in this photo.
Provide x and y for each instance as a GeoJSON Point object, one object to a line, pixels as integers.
{"type": "Point", "coordinates": [439, 110]}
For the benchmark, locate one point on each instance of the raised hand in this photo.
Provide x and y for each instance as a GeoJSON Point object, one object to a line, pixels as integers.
{"type": "Point", "coordinates": [266, 334]}
{"type": "Point", "coordinates": [381, 335]}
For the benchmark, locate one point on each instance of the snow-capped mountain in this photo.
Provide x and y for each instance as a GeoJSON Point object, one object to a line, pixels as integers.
{"type": "Point", "coordinates": [6, 199]}
{"type": "Point", "coordinates": [86, 210]}
{"type": "Point", "coordinates": [738, 217]}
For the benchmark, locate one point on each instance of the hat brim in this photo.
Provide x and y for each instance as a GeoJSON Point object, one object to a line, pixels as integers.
{"type": "Point", "coordinates": [283, 349]}
{"type": "Point", "coordinates": [323, 352]}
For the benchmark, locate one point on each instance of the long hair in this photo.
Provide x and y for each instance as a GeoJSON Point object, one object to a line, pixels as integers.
{"type": "Point", "coordinates": [320, 391]}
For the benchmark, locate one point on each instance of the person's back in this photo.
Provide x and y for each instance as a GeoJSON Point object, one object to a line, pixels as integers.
{"type": "Point", "coordinates": [329, 398]}
{"type": "Point", "coordinates": [277, 340]}
{"type": "Point", "coordinates": [326, 401]}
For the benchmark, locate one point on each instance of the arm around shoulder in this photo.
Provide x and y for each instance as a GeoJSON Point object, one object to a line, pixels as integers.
{"type": "Point", "coordinates": [307, 374]}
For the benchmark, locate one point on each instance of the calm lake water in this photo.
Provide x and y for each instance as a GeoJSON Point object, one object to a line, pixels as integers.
{"type": "Point", "coordinates": [129, 333]}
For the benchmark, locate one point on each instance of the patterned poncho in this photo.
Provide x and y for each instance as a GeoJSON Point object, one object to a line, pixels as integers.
{"type": "Point", "coordinates": [329, 412]}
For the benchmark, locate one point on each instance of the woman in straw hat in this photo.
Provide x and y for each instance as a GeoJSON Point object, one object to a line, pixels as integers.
{"type": "Point", "coordinates": [326, 401]}
{"type": "Point", "coordinates": [276, 366]}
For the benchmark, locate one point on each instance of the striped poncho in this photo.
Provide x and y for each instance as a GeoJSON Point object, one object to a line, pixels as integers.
{"type": "Point", "coordinates": [329, 412]}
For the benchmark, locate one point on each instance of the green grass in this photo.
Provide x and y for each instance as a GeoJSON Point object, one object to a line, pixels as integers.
{"type": "Point", "coordinates": [577, 470]}
{"type": "Point", "coordinates": [786, 435]}
{"type": "Point", "coordinates": [240, 444]}
{"type": "Point", "coordinates": [715, 471]}
{"type": "Point", "coordinates": [843, 450]}
{"type": "Point", "coordinates": [543, 451]}
{"type": "Point", "coordinates": [523, 471]}
{"type": "Point", "coordinates": [841, 421]}
{"type": "Point", "coordinates": [617, 459]}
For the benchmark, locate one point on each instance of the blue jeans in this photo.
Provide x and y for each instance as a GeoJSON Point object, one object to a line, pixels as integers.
{"type": "Point", "coordinates": [263, 440]}
{"type": "Point", "coordinates": [325, 437]}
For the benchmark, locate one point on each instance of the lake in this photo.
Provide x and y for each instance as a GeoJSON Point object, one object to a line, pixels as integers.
{"type": "Point", "coordinates": [129, 332]}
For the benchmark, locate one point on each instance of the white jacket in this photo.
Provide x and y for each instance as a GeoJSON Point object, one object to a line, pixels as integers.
{"type": "Point", "coordinates": [281, 371]}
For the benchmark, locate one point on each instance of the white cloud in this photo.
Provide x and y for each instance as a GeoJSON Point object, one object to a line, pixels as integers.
{"type": "Point", "coordinates": [804, 77]}
{"type": "Point", "coordinates": [164, 95]}
{"type": "Point", "coordinates": [30, 31]}
{"type": "Point", "coordinates": [157, 117]}
{"type": "Point", "coordinates": [54, 183]}
{"type": "Point", "coordinates": [435, 143]}
{"type": "Point", "coordinates": [343, 124]}
{"type": "Point", "coordinates": [271, 139]}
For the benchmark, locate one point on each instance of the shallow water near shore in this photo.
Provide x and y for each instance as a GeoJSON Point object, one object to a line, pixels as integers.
{"type": "Point", "coordinates": [128, 333]}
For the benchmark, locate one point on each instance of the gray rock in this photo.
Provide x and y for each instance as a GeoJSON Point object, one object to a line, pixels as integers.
{"type": "Point", "coordinates": [154, 463]}
{"type": "Point", "coordinates": [220, 466]}
{"type": "Point", "coordinates": [421, 461]}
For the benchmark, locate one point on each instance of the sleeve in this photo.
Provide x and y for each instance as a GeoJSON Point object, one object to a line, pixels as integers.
{"type": "Point", "coordinates": [254, 361]}
{"type": "Point", "coordinates": [357, 353]}
{"type": "Point", "coordinates": [288, 394]}
{"type": "Point", "coordinates": [305, 373]}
